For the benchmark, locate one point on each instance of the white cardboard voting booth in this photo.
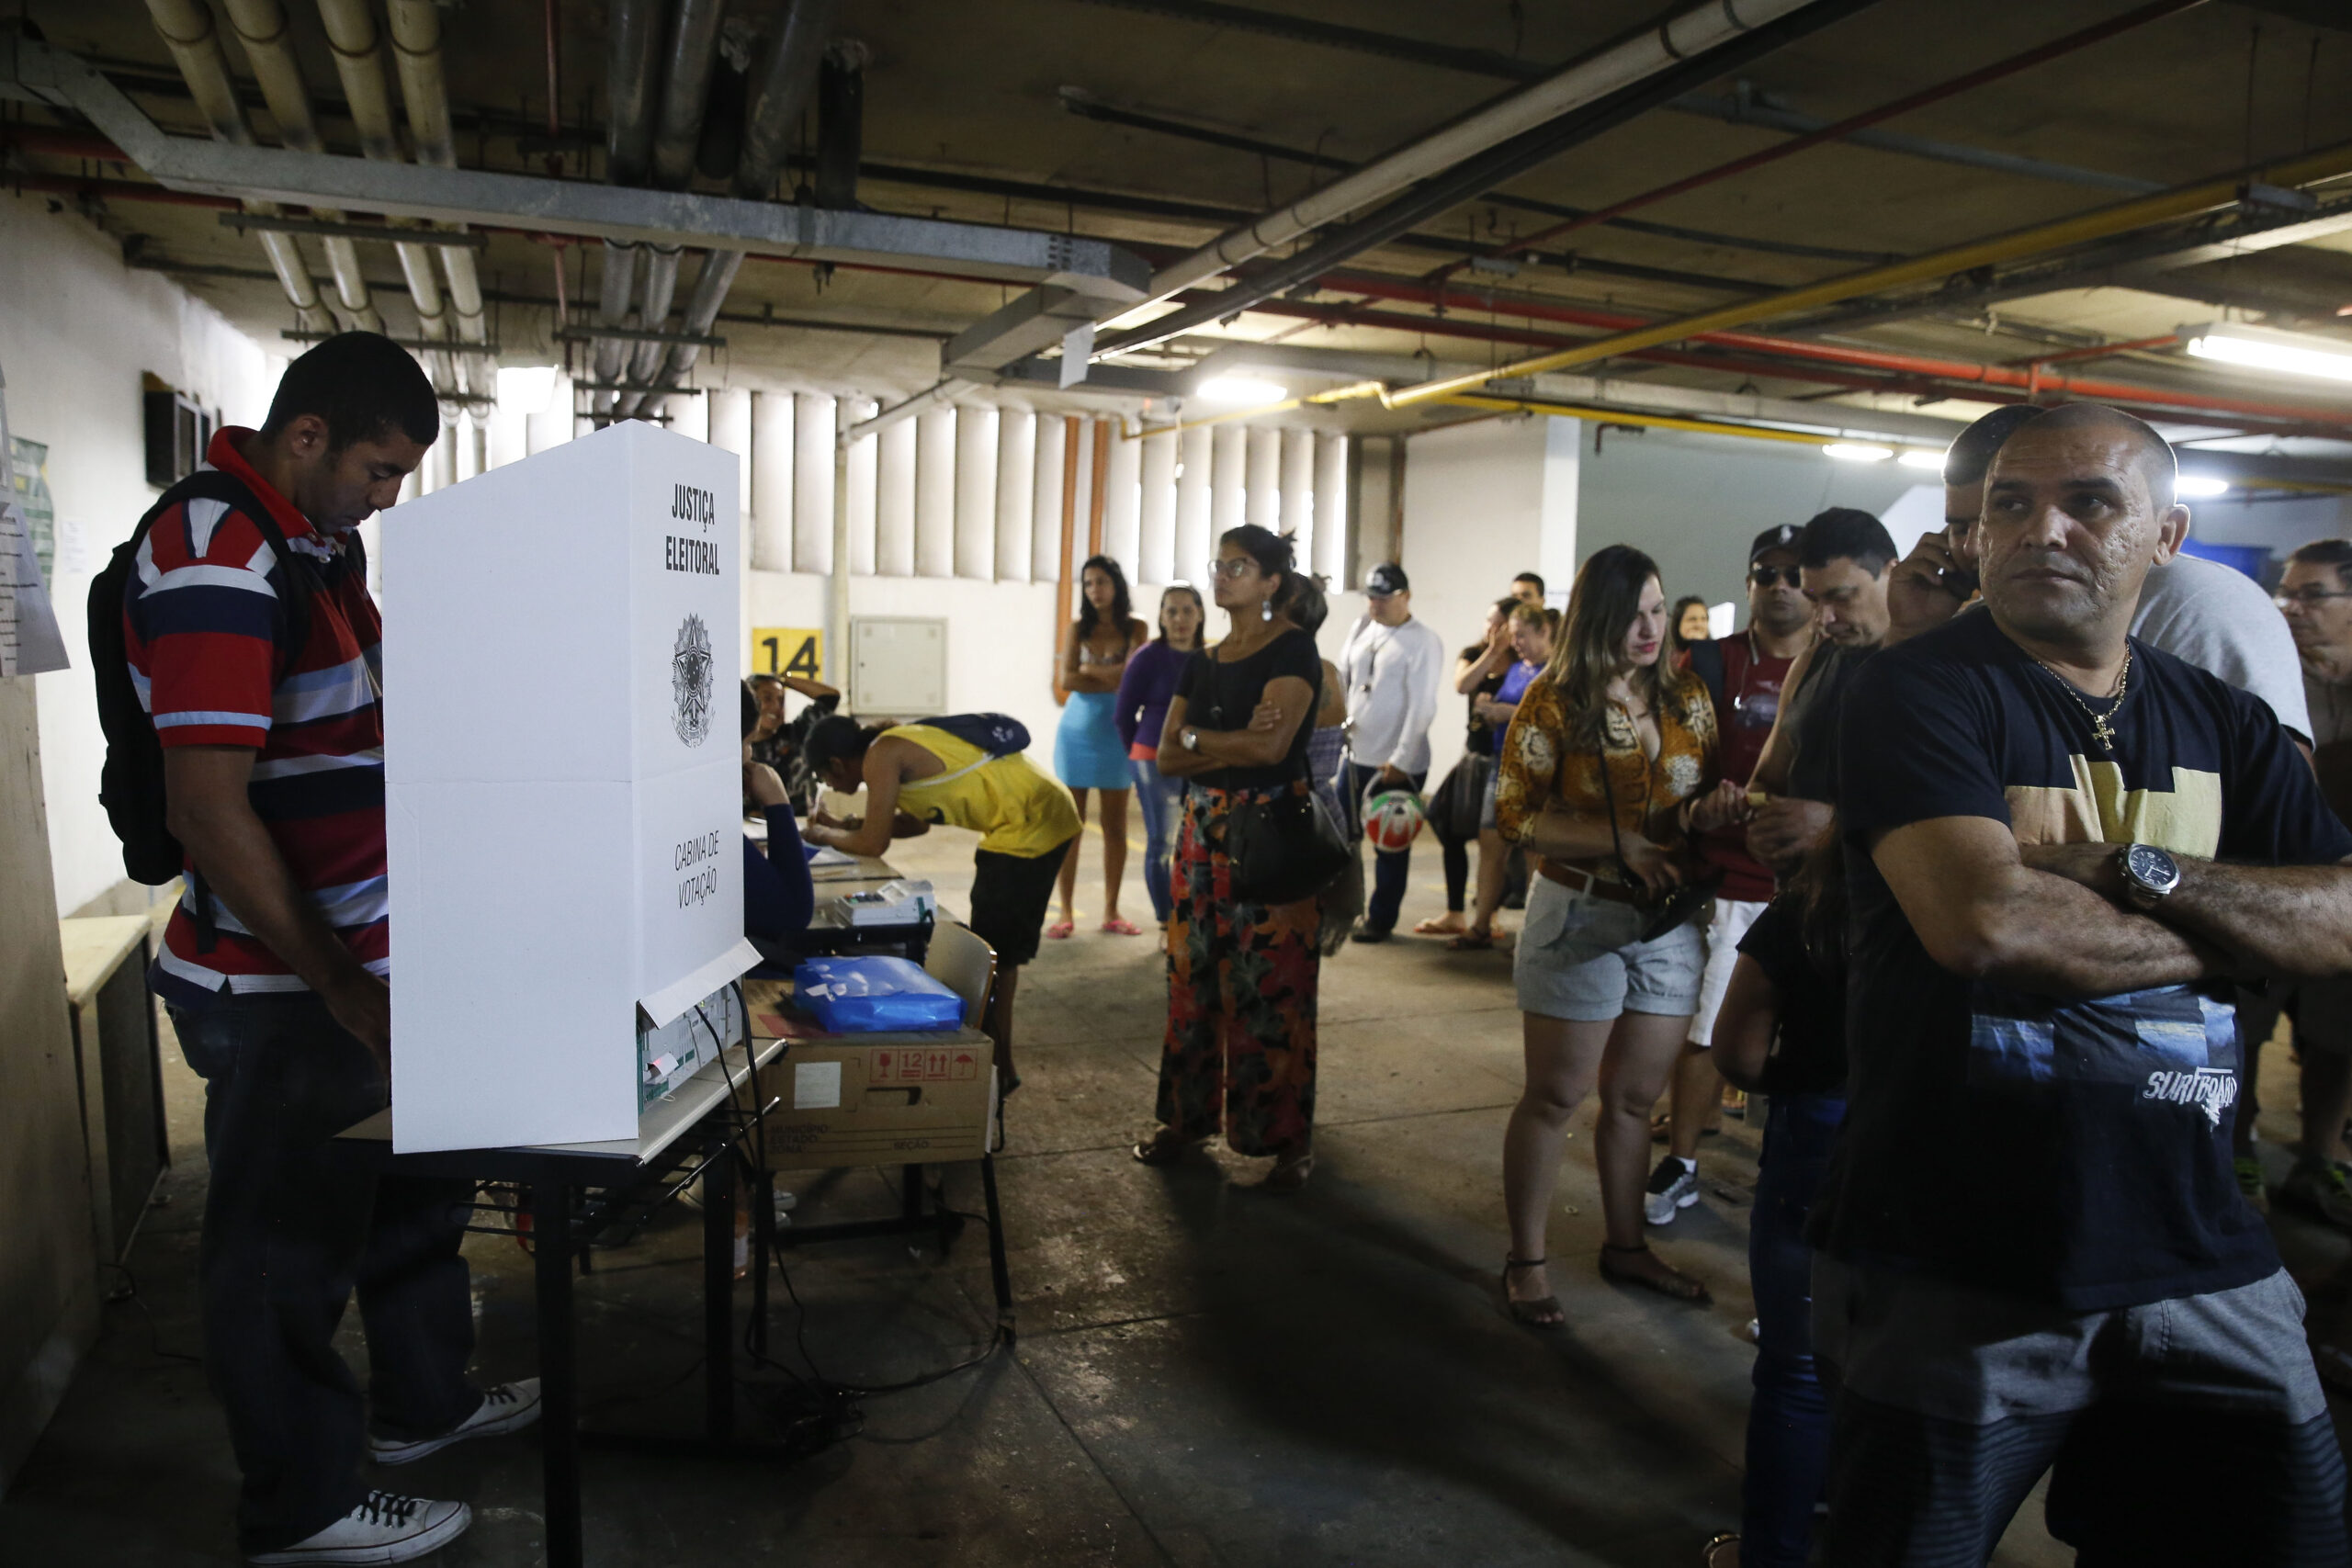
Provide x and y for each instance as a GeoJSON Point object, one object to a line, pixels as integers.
{"type": "Point", "coordinates": [563, 782]}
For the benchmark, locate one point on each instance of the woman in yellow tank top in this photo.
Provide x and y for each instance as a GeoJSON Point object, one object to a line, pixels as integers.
{"type": "Point", "coordinates": [917, 776]}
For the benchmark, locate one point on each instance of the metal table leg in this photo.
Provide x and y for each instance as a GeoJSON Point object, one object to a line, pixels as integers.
{"type": "Point", "coordinates": [719, 1295]}
{"type": "Point", "coordinates": [559, 1371]}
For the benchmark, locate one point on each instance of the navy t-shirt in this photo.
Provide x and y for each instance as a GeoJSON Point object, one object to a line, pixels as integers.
{"type": "Point", "coordinates": [2076, 1153]}
{"type": "Point", "coordinates": [1808, 1054]}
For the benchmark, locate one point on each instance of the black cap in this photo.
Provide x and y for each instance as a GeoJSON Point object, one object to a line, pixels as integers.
{"type": "Point", "coordinates": [1780, 536]}
{"type": "Point", "coordinates": [1387, 579]}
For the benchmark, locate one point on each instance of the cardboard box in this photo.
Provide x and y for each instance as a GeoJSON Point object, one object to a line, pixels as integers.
{"type": "Point", "coordinates": [895, 1100]}
{"type": "Point", "coordinates": [562, 783]}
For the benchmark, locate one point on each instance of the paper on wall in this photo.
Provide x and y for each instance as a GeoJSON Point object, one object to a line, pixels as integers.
{"type": "Point", "coordinates": [30, 642]}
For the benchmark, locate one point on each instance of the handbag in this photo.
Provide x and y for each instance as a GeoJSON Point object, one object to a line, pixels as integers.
{"type": "Point", "coordinates": [1284, 849]}
{"type": "Point", "coordinates": [1679, 904]}
{"type": "Point", "coordinates": [1458, 809]}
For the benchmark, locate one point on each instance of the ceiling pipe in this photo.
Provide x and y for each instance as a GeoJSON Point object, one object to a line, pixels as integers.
{"type": "Point", "coordinates": [1694, 33]}
{"type": "Point", "coordinates": [2082, 37]}
{"type": "Point", "coordinates": [685, 91]}
{"type": "Point", "coordinates": [633, 33]}
{"type": "Point", "coordinates": [416, 54]}
{"type": "Point", "coordinates": [1669, 73]}
{"type": "Point", "coordinates": [2042, 238]}
{"type": "Point", "coordinates": [261, 26]}
{"type": "Point", "coordinates": [841, 123]}
{"type": "Point", "coordinates": [783, 83]}
{"type": "Point", "coordinates": [189, 32]}
{"type": "Point", "coordinates": [358, 49]}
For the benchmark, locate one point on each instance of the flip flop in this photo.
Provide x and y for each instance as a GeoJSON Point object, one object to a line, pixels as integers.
{"type": "Point", "coordinates": [1435, 926]}
{"type": "Point", "coordinates": [1471, 942]}
{"type": "Point", "coordinates": [1120, 926]}
{"type": "Point", "coordinates": [1059, 930]}
{"type": "Point", "coordinates": [1673, 1283]}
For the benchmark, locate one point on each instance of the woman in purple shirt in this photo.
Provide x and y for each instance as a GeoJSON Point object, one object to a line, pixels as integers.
{"type": "Point", "coordinates": [1139, 713]}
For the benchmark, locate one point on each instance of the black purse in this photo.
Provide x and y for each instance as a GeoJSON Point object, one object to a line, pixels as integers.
{"type": "Point", "coordinates": [1284, 849]}
{"type": "Point", "coordinates": [1659, 914]}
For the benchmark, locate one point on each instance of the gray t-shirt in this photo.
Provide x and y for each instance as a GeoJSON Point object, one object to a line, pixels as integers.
{"type": "Point", "coordinates": [2221, 621]}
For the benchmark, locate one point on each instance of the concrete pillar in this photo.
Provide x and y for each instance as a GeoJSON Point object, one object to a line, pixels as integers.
{"type": "Point", "coordinates": [1195, 539]}
{"type": "Point", "coordinates": [812, 483]}
{"type": "Point", "coordinates": [1297, 493]}
{"type": "Point", "coordinates": [1229, 480]}
{"type": "Point", "coordinates": [936, 492]}
{"type": "Point", "coordinates": [730, 427]}
{"type": "Point", "coordinates": [1016, 492]}
{"type": "Point", "coordinates": [894, 500]}
{"type": "Point", "coordinates": [1331, 509]}
{"type": "Point", "coordinates": [976, 436]}
{"type": "Point", "coordinates": [1264, 506]}
{"type": "Point", "coordinates": [1047, 497]}
{"type": "Point", "coordinates": [864, 462]}
{"type": "Point", "coordinates": [1122, 502]}
{"type": "Point", "coordinates": [771, 489]}
{"type": "Point", "coordinates": [1156, 539]}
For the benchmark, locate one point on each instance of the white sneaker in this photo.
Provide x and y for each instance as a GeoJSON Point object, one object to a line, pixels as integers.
{"type": "Point", "coordinates": [509, 1407]}
{"type": "Point", "coordinates": [385, 1527]}
{"type": "Point", "coordinates": [1673, 1185]}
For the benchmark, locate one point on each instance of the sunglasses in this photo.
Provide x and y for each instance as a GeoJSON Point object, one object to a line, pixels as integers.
{"type": "Point", "coordinates": [1764, 576]}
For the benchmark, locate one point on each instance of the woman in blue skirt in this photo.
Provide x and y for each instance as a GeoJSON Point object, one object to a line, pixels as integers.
{"type": "Point", "coordinates": [1087, 752]}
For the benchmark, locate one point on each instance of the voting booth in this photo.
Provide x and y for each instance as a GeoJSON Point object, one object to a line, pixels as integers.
{"type": "Point", "coordinates": [563, 794]}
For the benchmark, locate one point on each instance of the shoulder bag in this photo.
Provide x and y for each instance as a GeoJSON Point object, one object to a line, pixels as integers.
{"type": "Point", "coordinates": [1659, 913]}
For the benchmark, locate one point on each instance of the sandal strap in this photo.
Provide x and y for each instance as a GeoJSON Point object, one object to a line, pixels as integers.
{"type": "Point", "coordinates": [1638, 1246]}
{"type": "Point", "coordinates": [1525, 1262]}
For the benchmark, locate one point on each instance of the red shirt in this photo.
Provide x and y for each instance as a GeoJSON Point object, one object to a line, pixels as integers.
{"type": "Point", "coordinates": [1751, 700]}
{"type": "Point", "coordinates": [212, 654]}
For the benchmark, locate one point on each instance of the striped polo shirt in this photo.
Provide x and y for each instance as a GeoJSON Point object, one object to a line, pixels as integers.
{"type": "Point", "coordinates": [212, 655]}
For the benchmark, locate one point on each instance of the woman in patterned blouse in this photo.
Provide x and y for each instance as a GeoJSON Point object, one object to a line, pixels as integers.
{"type": "Point", "coordinates": [1608, 769]}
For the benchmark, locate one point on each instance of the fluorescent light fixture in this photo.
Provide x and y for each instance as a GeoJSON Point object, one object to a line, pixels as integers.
{"type": "Point", "coordinates": [1920, 457]}
{"type": "Point", "coordinates": [2202, 486]}
{"type": "Point", "coordinates": [2239, 345]}
{"type": "Point", "coordinates": [1857, 452]}
{"type": "Point", "coordinates": [1239, 391]}
{"type": "Point", "coordinates": [526, 388]}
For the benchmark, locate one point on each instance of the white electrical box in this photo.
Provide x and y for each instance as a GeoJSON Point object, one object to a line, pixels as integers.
{"type": "Point", "coordinates": [562, 783]}
{"type": "Point", "coordinates": [898, 666]}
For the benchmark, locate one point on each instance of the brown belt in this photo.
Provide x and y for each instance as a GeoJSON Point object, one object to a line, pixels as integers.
{"type": "Point", "coordinates": [1577, 881]}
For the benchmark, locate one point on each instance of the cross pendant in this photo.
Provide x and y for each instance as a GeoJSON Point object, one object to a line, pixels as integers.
{"type": "Point", "coordinates": [2102, 734]}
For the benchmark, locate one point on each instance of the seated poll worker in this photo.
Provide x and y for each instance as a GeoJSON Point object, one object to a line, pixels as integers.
{"type": "Point", "coordinates": [779, 895]}
{"type": "Point", "coordinates": [915, 775]}
{"type": "Point", "coordinates": [2062, 844]}
{"type": "Point", "coordinates": [274, 968]}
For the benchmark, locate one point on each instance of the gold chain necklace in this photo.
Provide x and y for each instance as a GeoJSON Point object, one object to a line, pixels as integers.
{"type": "Point", "coordinates": [2102, 727]}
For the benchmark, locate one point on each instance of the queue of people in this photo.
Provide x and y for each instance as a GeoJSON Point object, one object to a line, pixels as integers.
{"type": "Point", "coordinates": [1990, 867]}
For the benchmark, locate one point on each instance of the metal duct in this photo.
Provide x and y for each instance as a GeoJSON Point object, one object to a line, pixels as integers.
{"type": "Point", "coordinates": [782, 86]}
{"type": "Point", "coordinates": [261, 27]}
{"type": "Point", "coordinates": [841, 123]}
{"type": "Point", "coordinates": [685, 89]}
{"type": "Point", "coordinates": [416, 51]}
{"type": "Point", "coordinates": [661, 290]}
{"type": "Point", "coordinates": [358, 49]}
{"type": "Point", "coordinates": [187, 31]}
{"type": "Point", "coordinates": [633, 33]}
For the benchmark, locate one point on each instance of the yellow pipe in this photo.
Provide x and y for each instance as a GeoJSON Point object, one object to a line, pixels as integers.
{"type": "Point", "coordinates": [1650, 421]}
{"type": "Point", "coordinates": [2326, 164]}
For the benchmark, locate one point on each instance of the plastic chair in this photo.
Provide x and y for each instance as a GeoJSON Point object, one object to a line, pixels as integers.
{"type": "Point", "coordinates": [965, 964]}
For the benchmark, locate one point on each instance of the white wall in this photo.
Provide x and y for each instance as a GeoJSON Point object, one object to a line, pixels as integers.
{"type": "Point", "coordinates": [1483, 503]}
{"type": "Point", "coordinates": [76, 329]}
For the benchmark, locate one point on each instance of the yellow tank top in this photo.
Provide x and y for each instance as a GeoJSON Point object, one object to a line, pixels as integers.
{"type": "Point", "coordinates": [1015, 809]}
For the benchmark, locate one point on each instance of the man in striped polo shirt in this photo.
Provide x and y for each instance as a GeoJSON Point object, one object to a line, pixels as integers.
{"type": "Point", "coordinates": [261, 675]}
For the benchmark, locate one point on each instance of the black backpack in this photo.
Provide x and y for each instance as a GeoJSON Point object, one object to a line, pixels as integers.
{"type": "Point", "coordinates": [131, 786]}
{"type": "Point", "coordinates": [998, 734]}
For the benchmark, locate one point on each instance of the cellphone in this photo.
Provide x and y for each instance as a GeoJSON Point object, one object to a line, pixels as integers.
{"type": "Point", "coordinates": [1964, 582]}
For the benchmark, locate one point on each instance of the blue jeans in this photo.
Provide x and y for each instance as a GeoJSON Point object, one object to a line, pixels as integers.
{"type": "Point", "coordinates": [291, 1226]}
{"type": "Point", "coordinates": [1788, 1424]}
{"type": "Point", "coordinates": [1161, 798]}
{"type": "Point", "coordinates": [1389, 867]}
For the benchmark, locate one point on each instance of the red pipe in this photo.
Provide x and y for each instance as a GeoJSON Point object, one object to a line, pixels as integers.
{"type": "Point", "coordinates": [55, 144]}
{"type": "Point", "coordinates": [122, 190]}
{"type": "Point", "coordinates": [1937, 94]}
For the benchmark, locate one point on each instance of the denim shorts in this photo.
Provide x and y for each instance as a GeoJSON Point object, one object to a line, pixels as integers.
{"type": "Point", "coordinates": [1578, 959]}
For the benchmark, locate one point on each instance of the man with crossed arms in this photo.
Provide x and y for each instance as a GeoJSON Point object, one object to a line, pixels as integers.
{"type": "Point", "coordinates": [2062, 844]}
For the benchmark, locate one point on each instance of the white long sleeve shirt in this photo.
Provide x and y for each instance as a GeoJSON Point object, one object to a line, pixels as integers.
{"type": "Point", "coordinates": [1392, 675]}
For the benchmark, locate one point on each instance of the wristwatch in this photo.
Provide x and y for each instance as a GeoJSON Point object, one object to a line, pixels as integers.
{"type": "Point", "coordinates": [2149, 874]}
{"type": "Point", "coordinates": [1190, 738]}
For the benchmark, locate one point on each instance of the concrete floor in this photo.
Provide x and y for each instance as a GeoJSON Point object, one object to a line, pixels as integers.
{"type": "Point", "coordinates": [1205, 1374]}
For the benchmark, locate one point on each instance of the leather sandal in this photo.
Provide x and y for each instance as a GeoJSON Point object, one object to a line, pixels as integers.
{"type": "Point", "coordinates": [1290, 1173]}
{"type": "Point", "coordinates": [1164, 1147]}
{"type": "Point", "coordinates": [1673, 1283]}
{"type": "Point", "coordinates": [1543, 1312]}
{"type": "Point", "coordinates": [1471, 942]}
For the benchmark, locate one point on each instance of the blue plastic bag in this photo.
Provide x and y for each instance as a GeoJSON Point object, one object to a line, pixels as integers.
{"type": "Point", "coordinates": [865, 996]}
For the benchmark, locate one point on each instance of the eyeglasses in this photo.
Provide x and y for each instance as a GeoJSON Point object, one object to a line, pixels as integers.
{"type": "Point", "coordinates": [1233, 568]}
{"type": "Point", "coordinates": [2308, 598]}
{"type": "Point", "coordinates": [1764, 576]}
